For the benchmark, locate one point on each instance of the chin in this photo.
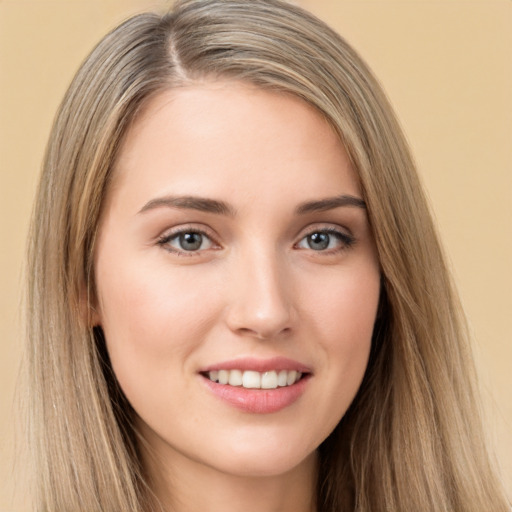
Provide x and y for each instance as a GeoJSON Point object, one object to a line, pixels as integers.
{"type": "Point", "coordinates": [264, 461]}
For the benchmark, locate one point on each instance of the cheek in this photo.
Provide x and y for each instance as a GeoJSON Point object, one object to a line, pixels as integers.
{"type": "Point", "coordinates": [151, 322]}
{"type": "Point", "coordinates": [344, 317]}
{"type": "Point", "coordinates": [344, 306]}
{"type": "Point", "coordinates": [156, 301]}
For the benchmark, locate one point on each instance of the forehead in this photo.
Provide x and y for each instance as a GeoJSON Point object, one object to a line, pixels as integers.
{"type": "Point", "coordinates": [220, 136]}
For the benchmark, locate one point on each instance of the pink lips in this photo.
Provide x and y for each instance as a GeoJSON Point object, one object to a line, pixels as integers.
{"type": "Point", "coordinates": [258, 401]}
{"type": "Point", "coordinates": [258, 365]}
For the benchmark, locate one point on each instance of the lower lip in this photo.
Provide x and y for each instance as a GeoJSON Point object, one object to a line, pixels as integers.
{"type": "Point", "coordinates": [258, 401]}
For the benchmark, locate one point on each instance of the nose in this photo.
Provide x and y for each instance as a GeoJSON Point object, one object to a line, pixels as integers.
{"type": "Point", "coordinates": [261, 303]}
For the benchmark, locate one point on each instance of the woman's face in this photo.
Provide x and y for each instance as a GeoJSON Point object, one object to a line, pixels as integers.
{"type": "Point", "coordinates": [237, 278]}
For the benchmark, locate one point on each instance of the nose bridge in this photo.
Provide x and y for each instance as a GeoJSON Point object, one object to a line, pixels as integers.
{"type": "Point", "coordinates": [261, 303]}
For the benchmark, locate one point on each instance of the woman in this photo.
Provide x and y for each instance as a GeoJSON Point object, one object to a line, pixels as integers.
{"type": "Point", "coordinates": [237, 297]}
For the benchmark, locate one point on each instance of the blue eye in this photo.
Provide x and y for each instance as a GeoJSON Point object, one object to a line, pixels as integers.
{"type": "Point", "coordinates": [187, 241]}
{"type": "Point", "coordinates": [325, 240]}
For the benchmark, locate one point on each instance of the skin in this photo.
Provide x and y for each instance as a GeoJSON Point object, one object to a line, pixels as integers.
{"type": "Point", "coordinates": [255, 288]}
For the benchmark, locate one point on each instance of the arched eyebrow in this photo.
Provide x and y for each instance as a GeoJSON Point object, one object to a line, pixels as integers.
{"type": "Point", "coordinates": [202, 204]}
{"type": "Point", "coordinates": [329, 203]}
{"type": "Point", "coordinates": [207, 205]}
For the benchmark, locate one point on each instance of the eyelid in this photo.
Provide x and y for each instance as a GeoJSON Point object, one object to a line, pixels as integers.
{"type": "Point", "coordinates": [346, 238]}
{"type": "Point", "coordinates": [325, 227]}
{"type": "Point", "coordinates": [171, 233]}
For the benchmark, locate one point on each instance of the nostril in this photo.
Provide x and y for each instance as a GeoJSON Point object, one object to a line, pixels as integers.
{"type": "Point", "coordinates": [264, 334]}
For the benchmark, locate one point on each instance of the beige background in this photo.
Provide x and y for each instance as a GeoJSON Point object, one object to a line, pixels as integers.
{"type": "Point", "coordinates": [447, 67]}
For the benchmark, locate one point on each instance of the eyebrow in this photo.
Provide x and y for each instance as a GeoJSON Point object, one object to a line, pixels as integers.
{"type": "Point", "coordinates": [329, 203]}
{"type": "Point", "coordinates": [204, 204]}
{"type": "Point", "coordinates": [190, 203]}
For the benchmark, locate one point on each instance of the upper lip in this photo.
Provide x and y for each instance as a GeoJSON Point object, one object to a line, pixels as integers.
{"type": "Point", "coordinates": [258, 365]}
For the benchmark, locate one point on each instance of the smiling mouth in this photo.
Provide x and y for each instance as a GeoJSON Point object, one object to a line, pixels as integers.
{"type": "Point", "coordinates": [250, 379]}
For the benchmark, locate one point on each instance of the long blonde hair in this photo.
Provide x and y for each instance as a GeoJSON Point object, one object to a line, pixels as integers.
{"type": "Point", "coordinates": [412, 439]}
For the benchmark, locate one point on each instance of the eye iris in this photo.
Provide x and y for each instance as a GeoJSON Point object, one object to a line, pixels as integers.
{"type": "Point", "coordinates": [318, 241]}
{"type": "Point", "coordinates": [191, 241]}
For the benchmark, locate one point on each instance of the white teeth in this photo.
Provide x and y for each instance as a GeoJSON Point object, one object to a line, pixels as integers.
{"type": "Point", "coordinates": [291, 377]}
{"type": "Point", "coordinates": [251, 380]}
{"type": "Point", "coordinates": [269, 380]}
{"type": "Point", "coordinates": [235, 378]}
{"type": "Point", "coordinates": [223, 376]}
{"type": "Point", "coordinates": [255, 380]}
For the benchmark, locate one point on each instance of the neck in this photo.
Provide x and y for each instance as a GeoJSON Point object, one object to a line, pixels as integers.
{"type": "Point", "coordinates": [184, 485]}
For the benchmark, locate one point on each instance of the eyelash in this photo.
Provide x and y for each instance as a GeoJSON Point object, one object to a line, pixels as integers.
{"type": "Point", "coordinates": [346, 241]}
{"type": "Point", "coordinates": [166, 239]}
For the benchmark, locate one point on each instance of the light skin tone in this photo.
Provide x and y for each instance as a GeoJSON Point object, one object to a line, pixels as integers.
{"type": "Point", "coordinates": [234, 229]}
